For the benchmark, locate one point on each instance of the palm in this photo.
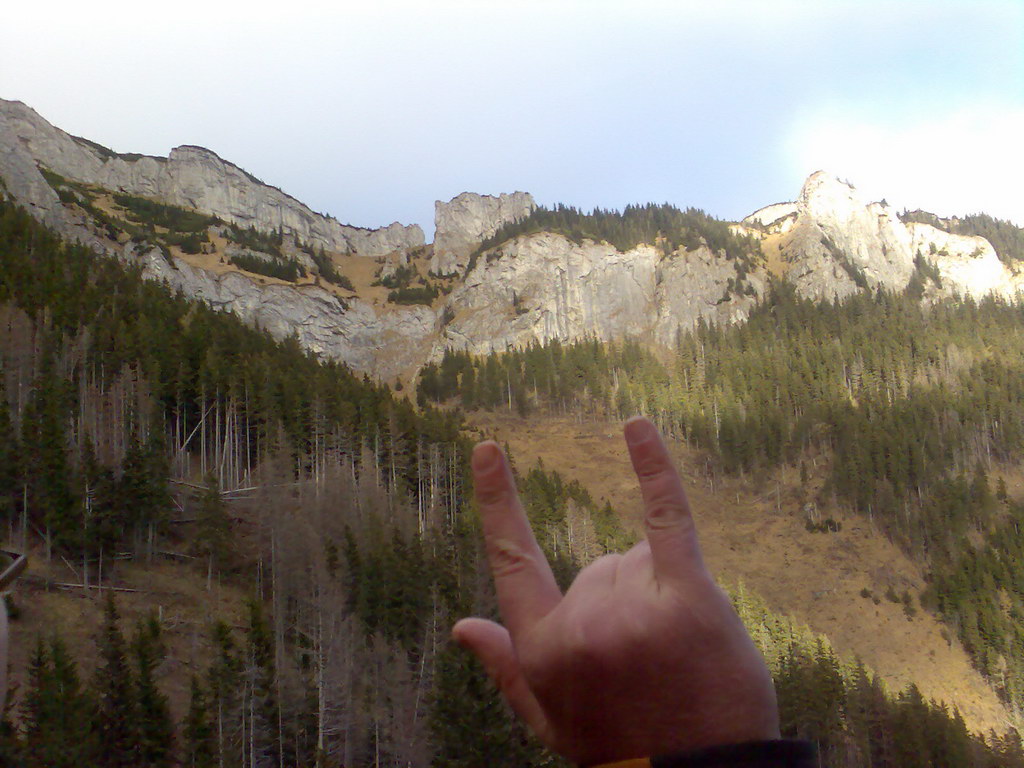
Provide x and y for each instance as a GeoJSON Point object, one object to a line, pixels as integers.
{"type": "Point", "coordinates": [644, 653]}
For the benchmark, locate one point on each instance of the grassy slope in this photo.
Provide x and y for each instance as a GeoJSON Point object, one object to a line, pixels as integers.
{"type": "Point", "coordinates": [176, 590]}
{"type": "Point", "coordinates": [755, 533]}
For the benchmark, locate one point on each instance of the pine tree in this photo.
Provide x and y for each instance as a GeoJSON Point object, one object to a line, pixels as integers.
{"type": "Point", "coordinates": [225, 686]}
{"type": "Point", "coordinates": [55, 710]}
{"type": "Point", "coordinates": [212, 526]}
{"type": "Point", "coordinates": [260, 678]}
{"type": "Point", "coordinates": [198, 735]}
{"type": "Point", "coordinates": [44, 454]}
{"type": "Point", "coordinates": [483, 734]}
{"type": "Point", "coordinates": [116, 717]}
{"type": "Point", "coordinates": [156, 732]}
{"type": "Point", "coordinates": [37, 706]}
{"type": "Point", "coordinates": [8, 459]}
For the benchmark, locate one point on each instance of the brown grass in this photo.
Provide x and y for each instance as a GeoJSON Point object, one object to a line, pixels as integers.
{"type": "Point", "coordinates": [175, 591]}
{"type": "Point", "coordinates": [754, 533]}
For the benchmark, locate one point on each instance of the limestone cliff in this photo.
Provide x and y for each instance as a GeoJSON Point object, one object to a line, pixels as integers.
{"type": "Point", "coordinates": [461, 224]}
{"type": "Point", "coordinates": [829, 242]}
{"type": "Point", "coordinates": [192, 177]}
{"type": "Point", "coordinates": [542, 286]}
{"type": "Point", "coordinates": [348, 330]}
{"type": "Point", "coordinates": [832, 243]}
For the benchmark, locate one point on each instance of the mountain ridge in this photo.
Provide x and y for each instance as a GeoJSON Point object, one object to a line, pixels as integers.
{"type": "Point", "coordinates": [548, 285]}
{"type": "Point", "coordinates": [195, 177]}
{"type": "Point", "coordinates": [533, 287]}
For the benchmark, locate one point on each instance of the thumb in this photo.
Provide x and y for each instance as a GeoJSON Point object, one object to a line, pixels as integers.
{"type": "Point", "coordinates": [492, 645]}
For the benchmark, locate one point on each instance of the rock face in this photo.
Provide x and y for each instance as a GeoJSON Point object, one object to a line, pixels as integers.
{"type": "Point", "coordinates": [835, 243]}
{"type": "Point", "coordinates": [351, 330]}
{"type": "Point", "coordinates": [967, 264]}
{"type": "Point", "coordinates": [21, 181]}
{"type": "Point", "coordinates": [193, 177]}
{"type": "Point", "coordinates": [537, 287]}
{"type": "Point", "coordinates": [464, 221]}
{"type": "Point", "coordinates": [542, 286]}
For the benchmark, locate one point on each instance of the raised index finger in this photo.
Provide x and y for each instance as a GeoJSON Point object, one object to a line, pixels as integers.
{"type": "Point", "coordinates": [522, 577]}
{"type": "Point", "coordinates": [668, 522]}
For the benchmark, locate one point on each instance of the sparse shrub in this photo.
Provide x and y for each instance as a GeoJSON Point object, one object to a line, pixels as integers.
{"type": "Point", "coordinates": [280, 268]}
{"type": "Point", "coordinates": [415, 295]}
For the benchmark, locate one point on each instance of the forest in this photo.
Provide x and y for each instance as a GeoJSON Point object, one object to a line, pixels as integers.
{"type": "Point", "coordinates": [133, 419]}
{"type": "Point", "coordinates": [908, 407]}
{"type": "Point", "coordinates": [664, 225]}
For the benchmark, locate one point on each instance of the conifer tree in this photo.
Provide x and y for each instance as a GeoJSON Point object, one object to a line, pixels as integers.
{"type": "Point", "coordinates": [483, 734]}
{"type": "Point", "coordinates": [227, 705]}
{"type": "Point", "coordinates": [212, 526]}
{"type": "Point", "coordinates": [55, 710]}
{"type": "Point", "coordinates": [8, 458]}
{"type": "Point", "coordinates": [196, 731]}
{"type": "Point", "coordinates": [156, 732]}
{"type": "Point", "coordinates": [260, 681]}
{"type": "Point", "coordinates": [116, 720]}
{"type": "Point", "coordinates": [37, 706]}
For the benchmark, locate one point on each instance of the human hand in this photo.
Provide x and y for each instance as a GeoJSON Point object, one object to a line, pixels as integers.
{"type": "Point", "coordinates": [643, 655]}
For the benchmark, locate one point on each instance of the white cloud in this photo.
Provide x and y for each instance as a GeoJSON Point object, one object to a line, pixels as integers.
{"type": "Point", "coordinates": [961, 161]}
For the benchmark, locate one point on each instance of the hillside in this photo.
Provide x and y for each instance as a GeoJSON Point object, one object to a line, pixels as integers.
{"type": "Point", "coordinates": [754, 533]}
{"type": "Point", "coordinates": [248, 419]}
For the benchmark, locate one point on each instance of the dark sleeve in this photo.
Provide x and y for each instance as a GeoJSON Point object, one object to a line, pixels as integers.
{"type": "Point", "coordinates": [755, 754]}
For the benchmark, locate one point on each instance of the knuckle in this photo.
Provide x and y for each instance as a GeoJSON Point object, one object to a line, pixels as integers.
{"type": "Point", "coordinates": [491, 494]}
{"type": "Point", "coordinates": [507, 558]}
{"type": "Point", "coordinates": [667, 513]}
{"type": "Point", "coordinates": [652, 467]}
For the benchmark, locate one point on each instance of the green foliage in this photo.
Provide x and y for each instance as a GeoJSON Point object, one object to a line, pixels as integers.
{"type": "Point", "coordinates": [847, 711]}
{"type": "Point", "coordinates": [853, 270]}
{"type": "Point", "coordinates": [281, 268]}
{"type": "Point", "coordinates": [117, 718]}
{"type": "Point", "coordinates": [9, 457]}
{"type": "Point", "coordinates": [550, 501]}
{"type": "Point", "coordinates": [389, 583]}
{"type": "Point", "coordinates": [401, 278]}
{"type": "Point", "coordinates": [420, 294]}
{"type": "Point", "coordinates": [189, 360]}
{"type": "Point", "coordinates": [663, 225]}
{"type": "Point", "coordinates": [907, 401]}
{"type": "Point", "coordinates": [404, 292]}
{"type": "Point", "coordinates": [979, 590]}
{"type": "Point", "coordinates": [183, 228]}
{"type": "Point", "coordinates": [259, 675]}
{"type": "Point", "coordinates": [156, 731]}
{"type": "Point", "coordinates": [43, 454]}
{"type": "Point", "coordinates": [212, 524]}
{"type": "Point", "coordinates": [406, 582]}
{"type": "Point", "coordinates": [55, 711]}
{"type": "Point", "coordinates": [197, 732]}
{"type": "Point", "coordinates": [483, 734]}
{"type": "Point", "coordinates": [151, 213]}
{"type": "Point", "coordinates": [256, 240]}
{"type": "Point", "coordinates": [328, 271]}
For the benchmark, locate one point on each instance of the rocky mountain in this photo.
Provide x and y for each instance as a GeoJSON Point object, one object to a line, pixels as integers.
{"type": "Point", "coordinates": [191, 177]}
{"type": "Point", "coordinates": [534, 286]}
{"type": "Point", "coordinates": [832, 243]}
{"type": "Point", "coordinates": [543, 286]}
{"type": "Point", "coordinates": [462, 223]}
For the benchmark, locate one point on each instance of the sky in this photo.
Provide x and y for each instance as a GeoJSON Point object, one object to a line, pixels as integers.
{"type": "Point", "coordinates": [371, 111]}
